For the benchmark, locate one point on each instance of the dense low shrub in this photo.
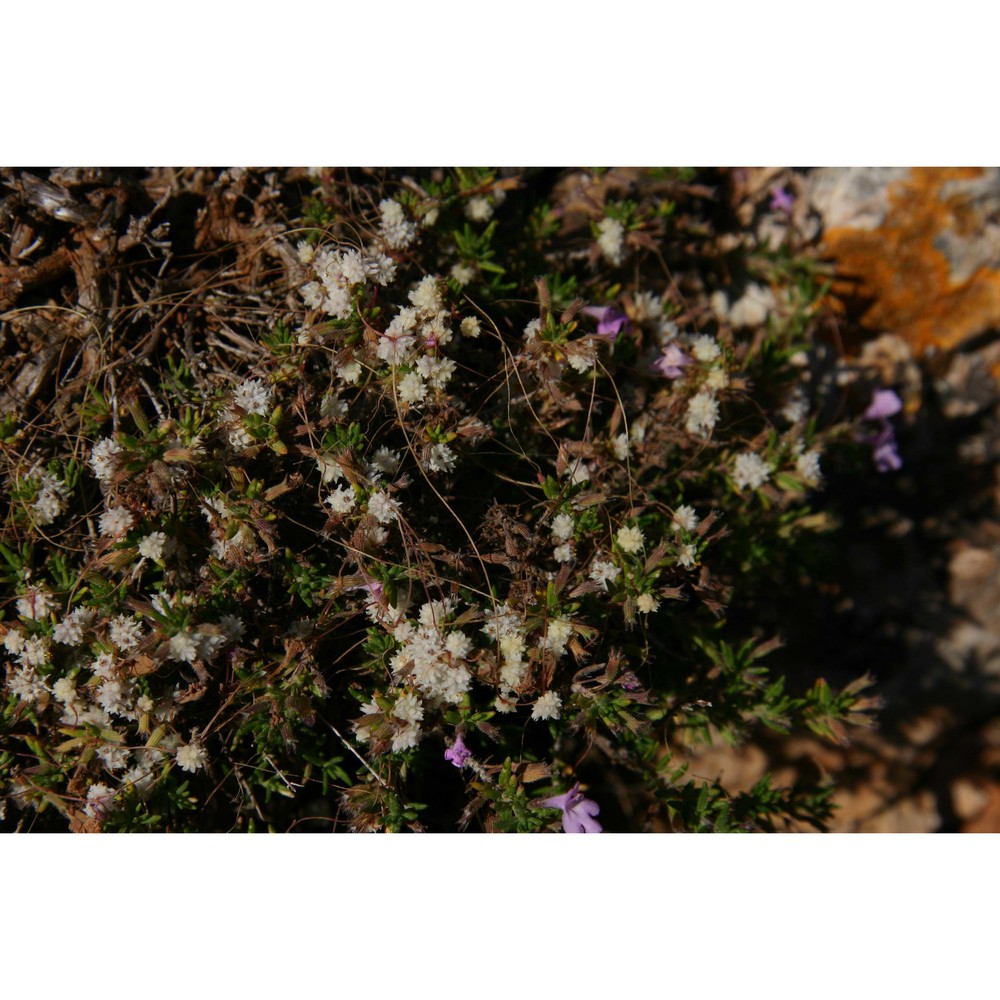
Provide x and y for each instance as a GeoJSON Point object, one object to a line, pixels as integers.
{"type": "Point", "coordinates": [435, 500]}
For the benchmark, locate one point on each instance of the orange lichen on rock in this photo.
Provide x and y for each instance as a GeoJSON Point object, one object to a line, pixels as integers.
{"type": "Point", "coordinates": [920, 273]}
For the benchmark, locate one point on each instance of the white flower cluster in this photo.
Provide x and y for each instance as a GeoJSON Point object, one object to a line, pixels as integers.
{"type": "Point", "coordinates": [630, 540]}
{"type": "Point", "coordinates": [611, 240]}
{"type": "Point", "coordinates": [432, 660]}
{"type": "Point", "coordinates": [750, 471]}
{"type": "Point", "coordinates": [103, 459]}
{"type": "Point", "coordinates": [397, 231]}
{"type": "Point", "coordinates": [114, 522]}
{"type": "Point", "coordinates": [339, 272]}
{"type": "Point", "coordinates": [51, 499]}
{"type": "Point", "coordinates": [702, 413]}
{"type": "Point", "coordinates": [252, 395]}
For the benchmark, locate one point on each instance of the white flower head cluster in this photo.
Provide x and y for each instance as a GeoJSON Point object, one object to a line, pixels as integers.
{"type": "Point", "coordinates": [341, 500]}
{"type": "Point", "coordinates": [562, 527]}
{"type": "Point", "coordinates": [611, 240]}
{"type": "Point", "coordinates": [702, 413]}
{"type": "Point", "coordinates": [704, 348]}
{"type": "Point", "coordinates": [114, 522]}
{"type": "Point", "coordinates": [504, 626]}
{"type": "Point", "coordinates": [382, 507]}
{"type": "Point", "coordinates": [350, 373]}
{"type": "Point", "coordinates": [154, 545]}
{"type": "Point", "coordinates": [440, 458]}
{"type": "Point", "coordinates": [547, 706]}
{"type": "Point", "coordinates": [463, 273]}
{"type": "Point", "coordinates": [437, 371]}
{"type": "Point", "coordinates": [470, 327]}
{"type": "Point", "coordinates": [648, 306]}
{"type": "Point", "coordinates": [332, 407]}
{"type": "Point", "coordinates": [125, 632]}
{"type": "Point", "coordinates": [686, 518]}
{"type": "Point", "coordinates": [630, 540]}
{"type": "Point", "coordinates": [385, 462]}
{"type": "Point", "coordinates": [557, 634]}
{"type": "Point", "coordinates": [397, 231]}
{"type": "Point", "coordinates": [750, 471]}
{"type": "Point", "coordinates": [70, 630]}
{"type": "Point", "coordinates": [604, 572]}
{"type": "Point", "coordinates": [252, 395]}
{"type": "Point", "coordinates": [432, 661]}
{"type": "Point", "coordinates": [796, 407]}
{"type": "Point", "coordinates": [807, 465]}
{"type": "Point", "coordinates": [620, 447]}
{"type": "Point", "coordinates": [646, 604]}
{"type": "Point", "coordinates": [686, 555]}
{"type": "Point", "coordinates": [103, 459]}
{"type": "Point", "coordinates": [35, 604]}
{"type": "Point", "coordinates": [51, 499]}
{"type": "Point", "coordinates": [412, 389]}
{"type": "Point", "coordinates": [479, 209]}
{"type": "Point", "coordinates": [191, 757]}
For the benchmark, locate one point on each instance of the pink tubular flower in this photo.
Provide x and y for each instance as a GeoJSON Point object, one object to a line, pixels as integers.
{"type": "Point", "coordinates": [782, 201]}
{"type": "Point", "coordinates": [458, 753]}
{"type": "Point", "coordinates": [578, 812]}
{"type": "Point", "coordinates": [885, 403]}
{"type": "Point", "coordinates": [610, 321]}
{"type": "Point", "coordinates": [671, 362]}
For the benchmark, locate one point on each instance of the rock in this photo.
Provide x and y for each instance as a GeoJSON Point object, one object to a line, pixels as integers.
{"type": "Point", "coordinates": [969, 799]}
{"type": "Point", "coordinates": [917, 250]}
{"type": "Point", "coordinates": [917, 814]}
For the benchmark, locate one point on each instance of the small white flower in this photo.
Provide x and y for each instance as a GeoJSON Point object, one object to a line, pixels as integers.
{"type": "Point", "coordinates": [350, 372]}
{"type": "Point", "coordinates": [64, 690]}
{"type": "Point", "coordinates": [796, 407]}
{"type": "Point", "coordinates": [562, 527]}
{"type": "Point", "coordinates": [125, 632]}
{"type": "Point", "coordinates": [441, 458]}
{"type": "Point", "coordinates": [717, 380]}
{"type": "Point", "coordinates": [620, 447]}
{"type": "Point", "coordinates": [13, 641]}
{"type": "Point", "coordinates": [48, 505]}
{"type": "Point", "coordinates": [70, 630]}
{"type": "Point", "coordinates": [426, 297]}
{"type": "Point", "coordinates": [153, 545]}
{"type": "Point", "coordinates": [563, 553]}
{"type": "Point", "coordinates": [705, 348]}
{"type": "Point", "coordinates": [686, 556]}
{"type": "Point", "coordinates": [191, 757]}
{"type": "Point", "coordinates": [470, 327]}
{"type": "Point", "coordinates": [253, 396]}
{"type": "Point", "coordinates": [408, 708]}
{"type": "Point", "coordinates": [750, 470]}
{"type": "Point", "coordinates": [406, 738]}
{"type": "Point", "coordinates": [114, 522]}
{"type": "Point", "coordinates": [332, 406]}
{"type": "Point", "coordinates": [437, 371]}
{"type": "Point", "coordinates": [184, 647]}
{"type": "Point", "coordinates": [384, 462]}
{"type": "Point", "coordinates": [412, 388]}
{"type": "Point", "coordinates": [35, 604]}
{"type": "Point", "coordinates": [548, 706]}
{"type": "Point", "coordinates": [648, 306]}
{"type": "Point", "coordinates": [330, 469]}
{"type": "Point", "coordinates": [103, 460]}
{"type": "Point", "coordinates": [702, 413]}
{"type": "Point", "coordinates": [478, 209]}
{"type": "Point", "coordinates": [686, 518]}
{"type": "Point", "coordinates": [646, 603]}
{"type": "Point", "coordinates": [383, 508]}
{"type": "Point", "coordinates": [34, 652]}
{"type": "Point", "coordinates": [341, 500]}
{"type": "Point", "coordinates": [630, 540]}
{"type": "Point", "coordinates": [604, 572]}
{"type": "Point", "coordinates": [100, 800]}
{"type": "Point", "coordinates": [807, 465]}
{"type": "Point", "coordinates": [532, 328]}
{"type": "Point", "coordinates": [611, 240]}
{"type": "Point", "coordinates": [463, 273]}
{"type": "Point", "coordinates": [396, 230]}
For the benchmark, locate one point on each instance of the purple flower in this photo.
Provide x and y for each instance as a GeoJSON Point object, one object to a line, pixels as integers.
{"type": "Point", "coordinates": [610, 321]}
{"type": "Point", "coordinates": [578, 812]}
{"type": "Point", "coordinates": [885, 403]}
{"type": "Point", "coordinates": [782, 201]}
{"type": "Point", "coordinates": [671, 362]}
{"type": "Point", "coordinates": [458, 753]}
{"type": "Point", "coordinates": [885, 451]}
